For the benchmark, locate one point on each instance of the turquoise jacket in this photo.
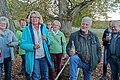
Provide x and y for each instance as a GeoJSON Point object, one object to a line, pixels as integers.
{"type": "Point", "coordinates": [27, 42]}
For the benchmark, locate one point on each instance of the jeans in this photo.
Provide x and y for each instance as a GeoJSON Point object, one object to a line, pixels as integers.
{"type": "Point", "coordinates": [7, 68]}
{"type": "Point", "coordinates": [105, 61]}
{"type": "Point", "coordinates": [40, 71]}
{"type": "Point", "coordinates": [75, 63]}
{"type": "Point", "coordinates": [23, 62]}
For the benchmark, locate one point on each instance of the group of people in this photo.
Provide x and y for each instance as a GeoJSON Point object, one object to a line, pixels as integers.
{"type": "Point", "coordinates": [42, 47]}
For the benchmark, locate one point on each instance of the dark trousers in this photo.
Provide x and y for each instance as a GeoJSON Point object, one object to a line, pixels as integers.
{"type": "Point", "coordinates": [105, 61]}
{"type": "Point", "coordinates": [115, 68]}
{"type": "Point", "coordinates": [56, 58]}
{"type": "Point", "coordinates": [23, 62]}
{"type": "Point", "coordinates": [7, 68]}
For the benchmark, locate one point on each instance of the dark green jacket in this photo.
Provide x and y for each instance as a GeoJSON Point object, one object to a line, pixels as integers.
{"type": "Point", "coordinates": [93, 45]}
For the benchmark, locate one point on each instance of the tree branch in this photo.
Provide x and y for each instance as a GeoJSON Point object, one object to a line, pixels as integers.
{"type": "Point", "coordinates": [80, 7]}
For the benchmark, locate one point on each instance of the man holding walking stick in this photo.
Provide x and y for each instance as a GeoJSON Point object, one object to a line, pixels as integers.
{"type": "Point", "coordinates": [87, 53]}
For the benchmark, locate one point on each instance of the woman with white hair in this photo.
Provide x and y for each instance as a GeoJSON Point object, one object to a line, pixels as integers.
{"type": "Point", "coordinates": [87, 52]}
{"type": "Point", "coordinates": [7, 42]}
{"type": "Point", "coordinates": [35, 40]}
{"type": "Point", "coordinates": [57, 47]}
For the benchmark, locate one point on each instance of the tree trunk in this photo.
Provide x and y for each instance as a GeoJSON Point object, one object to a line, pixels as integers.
{"type": "Point", "coordinates": [66, 26]}
{"type": "Point", "coordinates": [65, 20]}
{"type": "Point", "coordinates": [4, 11]}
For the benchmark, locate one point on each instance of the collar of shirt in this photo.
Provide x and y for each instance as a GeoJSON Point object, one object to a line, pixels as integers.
{"type": "Point", "coordinates": [55, 33]}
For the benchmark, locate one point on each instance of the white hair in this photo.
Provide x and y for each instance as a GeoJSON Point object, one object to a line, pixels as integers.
{"type": "Point", "coordinates": [58, 22]}
{"type": "Point", "coordinates": [88, 19]}
{"type": "Point", "coordinates": [5, 19]}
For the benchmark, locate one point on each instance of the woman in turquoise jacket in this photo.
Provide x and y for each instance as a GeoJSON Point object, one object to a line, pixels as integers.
{"type": "Point", "coordinates": [35, 40]}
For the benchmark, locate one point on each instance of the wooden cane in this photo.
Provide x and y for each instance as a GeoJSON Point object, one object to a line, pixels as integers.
{"type": "Point", "coordinates": [62, 69]}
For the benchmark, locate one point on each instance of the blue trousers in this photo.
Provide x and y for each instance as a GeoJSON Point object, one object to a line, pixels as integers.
{"type": "Point", "coordinates": [40, 71]}
{"type": "Point", "coordinates": [76, 62]}
{"type": "Point", "coordinates": [7, 68]}
{"type": "Point", "coordinates": [105, 61]}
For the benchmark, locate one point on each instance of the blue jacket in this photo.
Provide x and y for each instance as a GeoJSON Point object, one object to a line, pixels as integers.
{"type": "Point", "coordinates": [11, 38]}
{"type": "Point", "coordinates": [27, 42]}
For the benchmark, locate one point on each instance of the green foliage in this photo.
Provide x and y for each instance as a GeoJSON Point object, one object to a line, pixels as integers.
{"type": "Point", "coordinates": [21, 9]}
{"type": "Point", "coordinates": [96, 10]}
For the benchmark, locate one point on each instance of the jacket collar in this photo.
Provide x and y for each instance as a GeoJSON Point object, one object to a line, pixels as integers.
{"type": "Point", "coordinates": [89, 35]}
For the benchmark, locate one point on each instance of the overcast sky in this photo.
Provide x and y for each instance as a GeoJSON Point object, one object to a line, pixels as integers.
{"type": "Point", "coordinates": [114, 16]}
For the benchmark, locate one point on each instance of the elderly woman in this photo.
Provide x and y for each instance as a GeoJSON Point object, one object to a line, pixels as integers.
{"type": "Point", "coordinates": [35, 40]}
{"type": "Point", "coordinates": [87, 53]}
{"type": "Point", "coordinates": [7, 42]}
{"type": "Point", "coordinates": [57, 47]}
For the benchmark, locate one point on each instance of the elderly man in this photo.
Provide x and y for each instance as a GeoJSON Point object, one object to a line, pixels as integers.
{"type": "Point", "coordinates": [115, 51]}
{"type": "Point", "coordinates": [87, 53]}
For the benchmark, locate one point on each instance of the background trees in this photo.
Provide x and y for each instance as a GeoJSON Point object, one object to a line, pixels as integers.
{"type": "Point", "coordinates": [69, 12]}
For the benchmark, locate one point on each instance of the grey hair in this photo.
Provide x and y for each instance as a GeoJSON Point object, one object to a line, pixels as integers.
{"type": "Point", "coordinates": [58, 22]}
{"type": "Point", "coordinates": [116, 22]}
{"type": "Point", "coordinates": [88, 19]}
{"type": "Point", "coordinates": [37, 14]}
{"type": "Point", "coordinates": [5, 19]}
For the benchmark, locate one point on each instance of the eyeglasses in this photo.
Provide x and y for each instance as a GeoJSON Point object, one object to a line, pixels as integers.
{"type": "Point", "coordinates": [33, 17]}
{"type": "Point", "coordinates": [49, 24]}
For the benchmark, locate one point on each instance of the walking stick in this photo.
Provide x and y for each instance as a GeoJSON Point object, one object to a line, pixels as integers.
{"type": "Point", "coordinates": [62, 69]}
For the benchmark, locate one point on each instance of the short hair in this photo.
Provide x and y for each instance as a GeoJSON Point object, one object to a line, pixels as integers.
{"type": "Point", "coordinates": [5, 19]}
{"type": "Point", "coordinates": [58, 22]}
{"type": "Point", "coordinates": [22, 19]}
{"type": "Point", "coordinates": [88, 19]}
{"type": "Point", "coordinates": [37, 14]}
{"type": "Point", "coordinates": [116, 22]}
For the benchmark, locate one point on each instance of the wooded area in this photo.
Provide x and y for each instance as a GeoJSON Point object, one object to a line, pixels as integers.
{"type": "Point", "coordinates": [69, 12]}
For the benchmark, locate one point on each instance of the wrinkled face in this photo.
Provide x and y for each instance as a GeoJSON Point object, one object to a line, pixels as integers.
{"type": "Point", "coordinates": [55, 26]}
{"type": "Point", "coordinates": [49, 25]}
{"type": "Point", "coordinates": [35, 20]}
{"type": "Point", "coordinates": [85, 26]}
{"type": "Point", "coordinates": [115, 28]}
{"type": "Point", "coordinates": [23, 24]}
{"type": "Point", "coordinates": [3, 25]}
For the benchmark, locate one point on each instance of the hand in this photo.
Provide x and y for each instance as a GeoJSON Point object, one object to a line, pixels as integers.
{"type": "Point", "coordinates": [9, 44]}
{"type": "Point", "coordinates": [44, 37]}
{"type": "Point", "coordinates": [108, 38]}
{"type": "Point", "coordinates": [36, 46]}
{"type": "Point", "coordinates": [72, 53]}
{"type": "Point", "coordinates": [64, 56]}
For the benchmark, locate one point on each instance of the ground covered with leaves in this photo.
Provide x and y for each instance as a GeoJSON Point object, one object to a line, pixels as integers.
{"type": "Point", "coordinates": [97, 74]}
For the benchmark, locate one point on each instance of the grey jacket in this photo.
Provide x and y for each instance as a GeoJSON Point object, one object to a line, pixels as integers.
{"type": "Point", "coordinates": [93, 45]}
{"type": "Point", "coordinates": [11, 38]}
